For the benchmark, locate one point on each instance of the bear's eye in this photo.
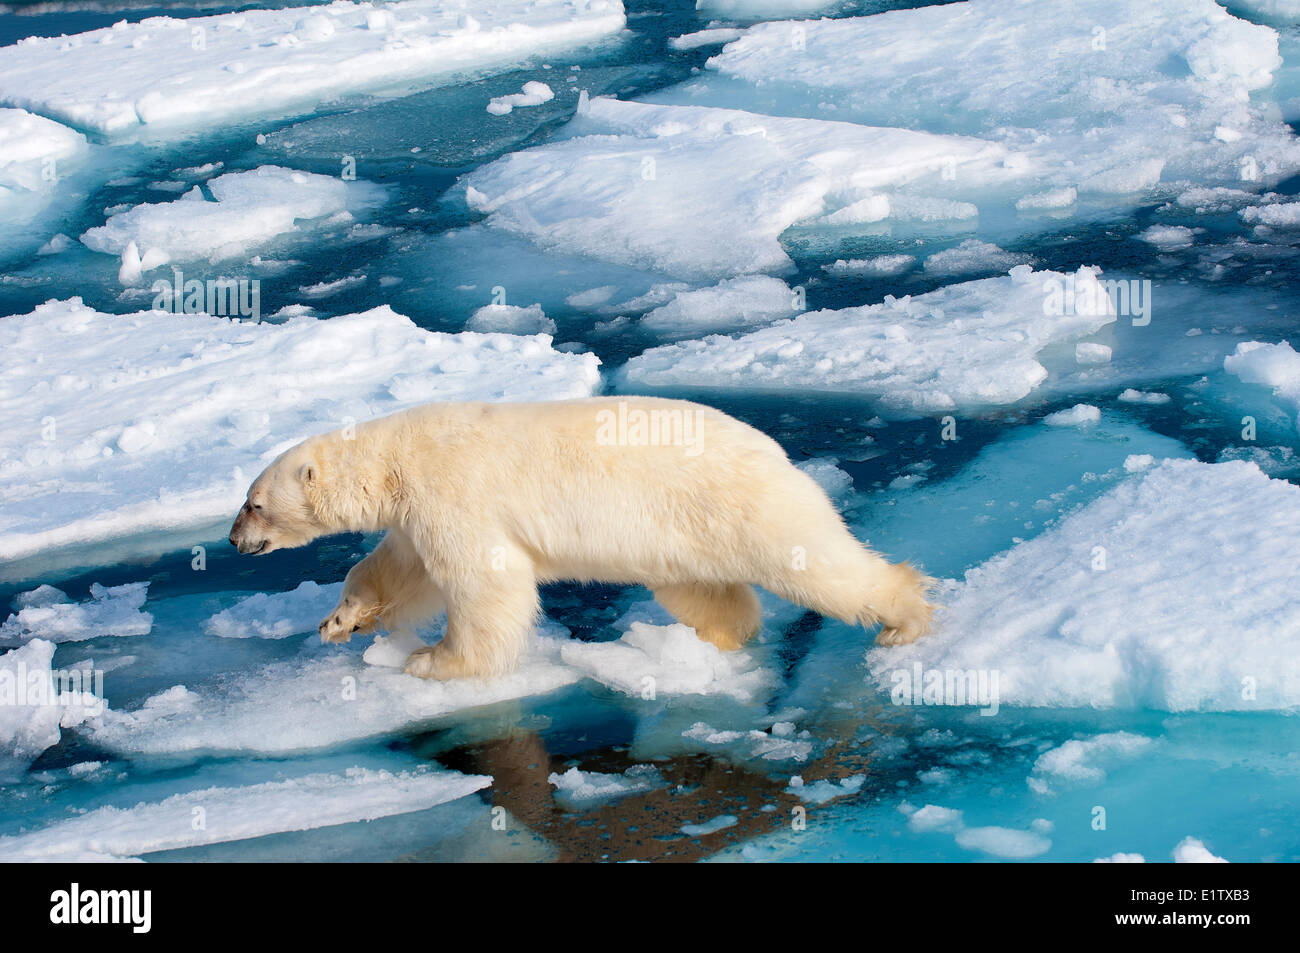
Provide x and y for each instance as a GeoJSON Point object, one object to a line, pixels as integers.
{"type": "Point", "coordinates": [258, 507]}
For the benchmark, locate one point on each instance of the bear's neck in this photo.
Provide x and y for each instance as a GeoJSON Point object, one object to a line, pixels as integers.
{"type": "Point", "coordinates": [361, 488]}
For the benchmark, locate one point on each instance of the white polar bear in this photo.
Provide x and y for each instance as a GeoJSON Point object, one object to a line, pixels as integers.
{"type": "Point", "coordinates": [483, 502]}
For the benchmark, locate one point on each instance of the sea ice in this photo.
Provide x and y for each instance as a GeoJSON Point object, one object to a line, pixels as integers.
{"type": "Point", "coordinates": [615, 189]}
{"type": "Point", "coordinates": [1117, 97]}
{"type": "Point", "coordinates": [172, 74]}
{"type": "Point", "coordinates": [239, 813]}
{"type": "Point", "coordinates": [251, 209]}
{"type": "Point", "coordinates": [1171, 591]}
{"type": "Point", "coordinates": [967, 345]}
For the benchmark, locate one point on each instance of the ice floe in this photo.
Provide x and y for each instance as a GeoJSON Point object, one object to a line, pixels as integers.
{"type": "Point", "coordinates": [250, 209]}
{"type": "Point", "coordinates": [168, 73]}
{"type": "Point", "coordinates": [730, 305]}
{"type": "Point", "coordinates": [158, 421]}
{"type": "Point", "coordinates": [615, 189]}
{"type": "Point", "coordinates": [317, 701]}
{"type": "Point", "coordinates": [973, 344]}
{"type": "Point", "coordinates": [1118, 96]}
{"type": "Point", "coordinates": [1171, 591]}
{"type": "Point", "coordinates": [240, 812]}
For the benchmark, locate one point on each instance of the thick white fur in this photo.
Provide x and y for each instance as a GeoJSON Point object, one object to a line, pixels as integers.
{"type": "Point", "coordinates": [482, 502]}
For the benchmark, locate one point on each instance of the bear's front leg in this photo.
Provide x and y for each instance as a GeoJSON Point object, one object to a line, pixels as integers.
{"type": "Point", "coordinates": [352, 615]}
{"type": "Point", "coordinates": [488, 623]}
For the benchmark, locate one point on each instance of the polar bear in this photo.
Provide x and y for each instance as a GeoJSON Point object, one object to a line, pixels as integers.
{"type": "Point", "coordinates": [482, 502]}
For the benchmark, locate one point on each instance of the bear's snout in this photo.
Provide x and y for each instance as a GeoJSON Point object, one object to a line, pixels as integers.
{"type": "Point", "coordinates": [239, 534]}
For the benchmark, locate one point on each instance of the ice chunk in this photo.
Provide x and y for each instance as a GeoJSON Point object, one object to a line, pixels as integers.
{"type": "Point", "coordinates": [108, 612]}
{"type": "Point", "coordinates": [275, 615]}
{"type": "Point", "coordinates": [1131, 396]}
{"type": "Point", "coordinates": [157, 421]}
{"type": "Point", "coordinates": [511, 319]}
{"type": "Point", "coordinates": [653, 660]}
{"type": "Point", "coordinates": [1080, 415]}
{"type": "Point", "coordinates": [973, 255]}
{"type": "Point", "coordinates": [615, 190]}
{"type": "Point", "coordinates": [730, 305]}
{"type": "Point", "coordinates": [1087, 352]}
{"type": "Point", "coordinates": [824, 790]}
{"type": "Point", "coordinates": [1168, 237]}
{"type": "Point", "coordinates": [781, 742]}
{"type": "Point", "coordinates": [534, 94]}
{"type": "Point", "coordinates": [1004, 842]}
{"type": "Point", "coordinates": [1283, 215]}
{"type": "Point", "coordinates": [1269, 365]}
{"type": "Point", "coordinates": [710, 37]}
{"type": "Point", "coordinates": [932, 817]}
{"type": "Point", "coordinates": [239, 813]}
{"type": "Point", "coordinates": [1192, 851]}
{"type": "Point", "coordinates": [35, 154]}
{"type": "Point", "coordinates": [36, 701]}
{"type": "Point", "coordinates": [973, 344]}
{"type": "Point", "coordinates": [1172, 591]}
{"type": "Point", "coordinates": [577, 789]}
{"type": "Point", "coordinates": [879, 266]}
{"type": "Point", "coordinates": [1076, 760]}
{"type": "Point", "coordinates": [173, 74]}
{"type": "Point", "coordinates": [27, 725]}
{"type": "Point", "coordinates": [251, 209]}
{"type": "Point", "coordinates": [1117, 96]}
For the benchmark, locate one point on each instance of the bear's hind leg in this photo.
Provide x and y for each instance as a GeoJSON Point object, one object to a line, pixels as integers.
{"type": "Point", "coordinates": [726, 615]}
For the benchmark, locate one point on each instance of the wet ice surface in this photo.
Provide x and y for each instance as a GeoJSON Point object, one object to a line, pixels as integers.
{"type": "Point", "coordinates": [1113, 521]}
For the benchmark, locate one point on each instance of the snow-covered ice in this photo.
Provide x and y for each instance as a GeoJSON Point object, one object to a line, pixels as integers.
{"type": "Point", "coordinates": [974, 344]}
{"type": "Point", "coordinates": [1117, 96]}
{"type": "Point", "coordinates": [614, 191]}
{"type": "Point", "coordinates": [1171, 591]}
{"type": "Point", "coordinates": [239, 813]}
{"type": "Point", "coordinates": [730, 305]}
{"type": "Point", "coordinates": [35, 154]}
{"type": "Point", "coordinates": [158, 421]}
{"type": "Point", "coordinates": [250, 209]}
{"type": "Point", "coordinates": [316, 701]}
{"type": "Point", "coordinates": [173, 74]}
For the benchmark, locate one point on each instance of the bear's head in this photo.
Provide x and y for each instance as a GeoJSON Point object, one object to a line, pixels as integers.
{"type": "Point", "coordinates": [280, 511]}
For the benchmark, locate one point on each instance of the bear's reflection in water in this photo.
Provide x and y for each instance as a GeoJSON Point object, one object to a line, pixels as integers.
{"type": "Point", "coordinates": [645, 825]}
